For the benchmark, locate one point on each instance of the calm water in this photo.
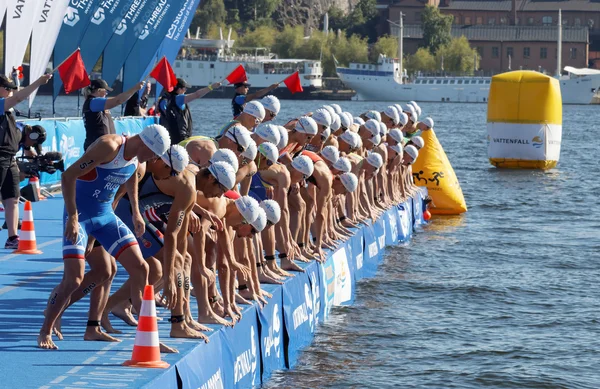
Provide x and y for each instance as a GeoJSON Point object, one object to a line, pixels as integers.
{"type": "Point", "coordinates": [504, 296]}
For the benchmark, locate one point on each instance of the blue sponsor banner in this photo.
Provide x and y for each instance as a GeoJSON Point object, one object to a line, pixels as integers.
{"type": "Point", "coordinates": [356, 252]}
{"type": "Point", "coordinates": [103, 24]}
{"type": "Point", "coordinates": [77, 20]}
{"type": "Point", "coordinates": [271, 334]}
{"type": "Point", "coordinates": [210, 365]}
{"type": "Point", "coordinates": [404, 221]}
{"type": "Point", "coordinates": [129, 29]}
{"type": "Point", "coordinates": [313, 271]}
{"type": "Point", "coordinates": [70, 136]}
{"type": "Point", "coordinates": [344, 279]}
{"type": "Point", "coordinates": [243, 342]}
{"type": "Point", "coordinates": [142, 57]}
{"type": "Point", "coordinates": [379, 230]}
{"type": "Point", "coordinates": [371, 252]}
{"type": "Point", "coordinates": [326, 287]}
{"type": "Point", "coordinates": [418, 209]}
{"type": "Point", "coordinates": [391, 226]}
{"type": "Point", "coordinates": [298, 315]}
{"type": "Point", "coordinates": [174, 37]}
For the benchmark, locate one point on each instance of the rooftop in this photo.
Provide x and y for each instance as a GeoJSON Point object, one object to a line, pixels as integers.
{"type": "Point", "coordinates": [505, 33]}
{"type": "Point", "coordinates": [524, 5]}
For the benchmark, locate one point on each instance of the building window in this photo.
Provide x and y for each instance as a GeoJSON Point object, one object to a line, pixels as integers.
{"type": "Point", "coordinates": [491, 20]}
{"type": "Point", "coordinates": [526, 52]}
{"type": "Point", "coordinates": [495, 52]}
{"type": "Point", "coordinates": [573, 52]}
{"type": "Point", "coordinates": [543, 52]}
{"type": "Point", "coordinates": [510, 52]}
{"type": "Point", "coordinates": [503, 20]}
{"type": "Point", "coordinates": [547, 20]}
{"type": "Point", "coordinates": [456, 19]}
{"type": "Point", "coordinates": [480, 51]}
{"type": "Point", "coordinates": [517, 21]}
{"type": "Point", "coordinates": [467, 20]}
{"type": "Point", "coordinates": [577, 22]}
{"type": "Point", "coordinates": [530, 21]}
{"type": "Point", "coordinates": [479, 20]}
{"type": "Point", "coordinates": [178, 64]}
{"type": "Point", "coordinates": [417, 16]}
{"type": "Point", "coordinates": [189, 65]}
{"type": "Point", "coordinates": [565, 22]}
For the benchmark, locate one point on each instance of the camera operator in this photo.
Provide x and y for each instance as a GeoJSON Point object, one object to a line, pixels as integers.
{"type": "Point", "coordinates": [10, 139]}
{"type": "Point", "coordinates": [32, 138]}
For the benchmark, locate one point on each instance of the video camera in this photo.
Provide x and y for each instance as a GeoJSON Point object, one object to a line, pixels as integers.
{"type": "Point", "coordinates": [49, 163]}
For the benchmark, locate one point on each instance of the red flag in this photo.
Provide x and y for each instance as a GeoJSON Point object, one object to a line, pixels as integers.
{"type": "Point", "coordinates": [163, 73]}
{"type": "Point", "coordinates": [72, 72]}
{"type": "Point", "coordinates": [293, 83]}
{"type": "Point", "coordinates": [238, 75]}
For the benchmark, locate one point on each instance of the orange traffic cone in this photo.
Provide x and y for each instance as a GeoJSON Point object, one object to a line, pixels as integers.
{"type": "Point", "coordinates": [35, 184]}
{"type": "Point", "coordinates": [146, 350]}
{"type": "Point", "coordinates": [27, 243]}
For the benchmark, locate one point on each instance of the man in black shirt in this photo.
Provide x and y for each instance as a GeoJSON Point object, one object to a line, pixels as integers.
{"type": "Point", "coordinates": [136, 105]}
{"type": "Point", "coordinates": [241, 96]}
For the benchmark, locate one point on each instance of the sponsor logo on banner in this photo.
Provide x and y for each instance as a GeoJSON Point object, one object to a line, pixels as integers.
{"type": "Point", "coordinates": [405, 222]}
{"type": "Point", "coordinates": [382, 240]}
{"type": "Point", "coordinates": [511, 141]}
{"type": "Point", "coordinates": [343, 282]}
{"type": "Point", "coordinates": [273, 340]}
{"type": "Point", "coordinates": [180, 20]}
{"type": "Point", "coordinates": [393, 224]}
{"type": "Point", "coordinates": [157, 16]}
{"type": "Point", "coordinates": [71, 17]}
{"type": "Point", "coordinates": [214, 382]}
{"type": "Point", "coordinates": [121, 28]}
{"type": "Point", "coordinates": [68, 148]}
{"type": "Point", "coordinates": [316, 295]}
{"type": "Point", "coordinates": [359, 261]}
{"type": "Point", "coordinates": [309, 308]}
{"type": "Point", "coordinates": [245, 363]}
{"type": "Point", "coordinates": [373, 250]}
{"type": "Point", "coordinates": [537, 142]}
{"type": "Point", "coordinates": [99, 16]}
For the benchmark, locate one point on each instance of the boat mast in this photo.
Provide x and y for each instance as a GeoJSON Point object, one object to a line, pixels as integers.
{"type": "Point", "coordinates": [559, 46]}
{"type": "Point", "coordinates": [400, 27]}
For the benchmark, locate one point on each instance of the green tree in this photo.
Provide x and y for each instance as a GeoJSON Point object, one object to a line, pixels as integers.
{"type": "Point", "coordinates": [263, 36]}
{"type": "Point", "coordinates": [422, 60]}
{"type": "Point", "coordinates": [210, 12]}
{"type": "Point", "coordinates": [337, 19]}
{"type": "Point", "coordinates": [257, 9]}
{"type": "Point", "coordinates": [458, 55]}
{"type": "Point", "coordinates": [436, 28]}
{"type": "Point", "coordinates": [288, 42]}
{"type": "Point", "coordinates": [363, 20]}
{"type": "Point", "coordinates": [385, 45]}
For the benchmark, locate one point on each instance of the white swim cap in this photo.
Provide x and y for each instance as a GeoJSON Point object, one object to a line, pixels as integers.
{"type": "Point", "coordinates": [260, 222]}
{"type": "Point", "coordinates": [256, 109]}
{"type": "Point", "coordinates": [268, 132]}
{"type": "Point", "coordinates": [413, 114]}
{"type": "Point", "coordinates": [272, 209]}
{"type": "Point", "coordinates": [396, 135]}
{"type": "Point", "coordinates": [251, 151]}
{"type": "Point", "coordinates": [383, 131]}
{"type": "Point", "coordinates": [392, 113]}
{"type": "Point", "coordinates": [325, 134]}
{"type": "Point", "coordinates": [350, 181]}
{"type": "Point", "coordinates": [176, 157]}
{"type": "Point", "coordinates": [330, 153]}
{"type": "Point", "coordinates": [156, 138]}
{"type": "Point", "coordinates": [336, 122]}
{"type": "Point", "coordinates": [304, 165]}
{"type": "Point", "coordinates": [375, 139]}
{"type": "Point", "coordinates": [398, 107]}
{"type": "Point", "coordinates": [269, 151]}
{"type": "Point", "coordinates": [283, 137]}
{"type": "Point", "coordinates": [239, 135]}
{"type": "Point", "coordinates": [224, 174]}
{"type": "Point", "coordinates": [397, 148]}
{"type": "Point", "coordinates": [248, 207]}
{"type": "Point", "coordinates": [336, 108]}
{"type": "Point", "coordinates": [226, 155]}
{"type": "Point", "coordinates": [329, 109]}
{"type": "Point", "coordinates": [403, 118]}
{"type": "Point", "coordinates": [271, 103]}
{"type": "Point", "coordinates": [373, 115]}
{"type": "Point", "coordinates": [358, 120]}
{"type": "Point", "coordinates": [345, 120]}
{"type": "Point", "coordinates": [375, 160]}
{"type": "Point", "coordinates": [322, 117]}
{"type": "Point", "coordinates": [343, 164]}
{"type": "Point", "coordinates": [416, 107]}
{"type": "Point", "coordinates": [418, 142]}
{"type": "Point", "coordinates": [372, 126]}
{"type": "Point", "coordinates": [412, 151]}
{"type": "Point", "coordinates": [306, 125]}
{"type": "Point", "coordinates": [428, 122]}
{"type": "Point", "coordinates": [351, 138]}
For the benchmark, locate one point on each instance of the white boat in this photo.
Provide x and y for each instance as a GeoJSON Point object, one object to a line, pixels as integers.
{"type": "Point", "coordinates": [382, 82]}
{"type": "Point", "coordinates": [214, 60]}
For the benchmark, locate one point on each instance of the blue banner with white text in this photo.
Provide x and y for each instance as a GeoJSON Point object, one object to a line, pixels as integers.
{"type": "Point", "coordinates": [371, 252]}
{"type": "Point", "coordinates": [196, 370]}
{"type": "Point", "coordinates": [129, 29]}
{"type": "Point", "coordinates": [356, 248]}
{"type": "Point", "coordinates": [142, 55]}
{"type": "Point", "coordinates": [271, 334]}
{"type": "Point", "coordinates": [404, 221]}
{"type": "Point", "coordinates": [76, 21]}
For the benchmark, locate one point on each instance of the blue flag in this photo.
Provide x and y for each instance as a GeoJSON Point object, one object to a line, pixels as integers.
{"type": "Point", "coordinates": [142, 56]}
{"type": "Point", "coordinates": [125, 36]}
{"type": "Point", "coordinates": [104, 23]}
{"type": "Point", "coordinates": [172, 41]}
{"type": "Point", "coordinates": [77, 19]}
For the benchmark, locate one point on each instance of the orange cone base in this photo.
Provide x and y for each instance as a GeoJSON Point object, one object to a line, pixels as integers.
{"type": "Point", "coordinates": [27, 252]}
{"type": "Point", "coordinates": [154, 364]}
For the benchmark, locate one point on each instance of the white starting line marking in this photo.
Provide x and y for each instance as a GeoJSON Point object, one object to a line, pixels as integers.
{"type": "Point", "coordinates": [42, 245]}
{"type": "Point", "coordinates": [28, 280]}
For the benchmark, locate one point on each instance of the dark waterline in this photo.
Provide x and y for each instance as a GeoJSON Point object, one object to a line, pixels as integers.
{"type": "Point", "coordinates": [503, 296]}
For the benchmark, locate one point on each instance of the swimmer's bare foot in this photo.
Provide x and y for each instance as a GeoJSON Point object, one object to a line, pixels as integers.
{"type": "Point", "coordinates": [237, 310]}
{"type": "Point", "coordinates": [248, 295]}
{"type": "Point", "coordinates": [266, 294]}
{"type": "Point", "coordinates": [264, 278]}
{"type": "Point", "coordinates": [123, 313]}
{"type": "Point", "coordinates": [213, 318]}
{"type": "Point", "coordinates": [181, 330]}
{"type": "Point", "coordinates": [241, 300]}
{"type": "Point", "coordinates": [160, 301]}
{"type": "Point", "coordinates": [45, 342]}
{"type": "Point", "coordinates": [231, 314]}
{"type": "Point", "coordinates": [286, 264]}
{"type": "Point", "coordinates": [166, 349]}
{"type": "Point", "coordinates": [57, 330]}
{"type": "Point", "coordinates": [95, 333]}
{"type": "Point", "coordinates": [218, 309]}
{"type": "Point", "coordinates": [272, 266]}
{"type": "Point", "coordinates": [105, 322]}
{"type": "Point", "coordinates": [193, 324]}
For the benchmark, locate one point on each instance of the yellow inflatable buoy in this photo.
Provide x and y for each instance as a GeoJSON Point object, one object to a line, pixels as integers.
{"type": "Point", "coordinates": [432, 169]}
{"type": "Point", "coordinates": [524, 120]}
